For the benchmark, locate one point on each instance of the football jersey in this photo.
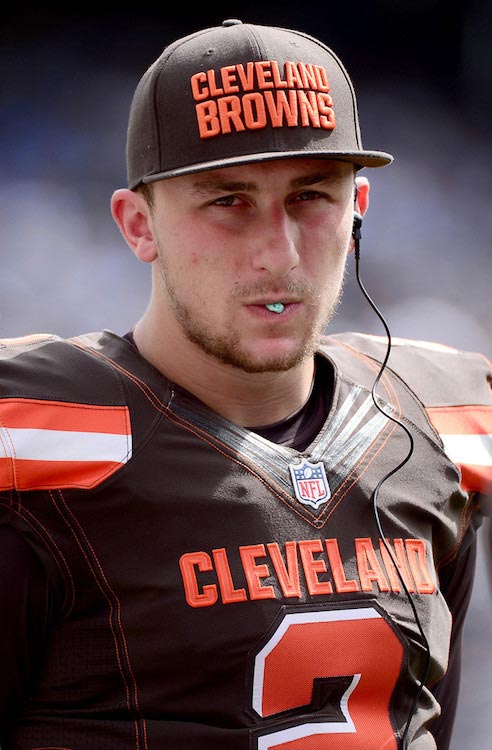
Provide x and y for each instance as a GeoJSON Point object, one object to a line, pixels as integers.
{"type": "Point", "coordinates": [219, 591]}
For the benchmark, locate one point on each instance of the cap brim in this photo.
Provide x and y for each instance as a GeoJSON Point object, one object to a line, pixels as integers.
{"type": "Point", "coordinates": [359, 158]}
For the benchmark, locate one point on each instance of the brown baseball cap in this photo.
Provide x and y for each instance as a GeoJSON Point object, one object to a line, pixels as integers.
{"type": "Point", "coordinates": [240, 93]}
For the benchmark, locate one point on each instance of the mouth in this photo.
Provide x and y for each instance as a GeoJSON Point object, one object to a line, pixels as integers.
{"type": "Point", "coordinates": [275, 303]}
{"type": "Point", "coordinates": [275, 307]}
{"type": "Point", "coordinates": [270, 310]}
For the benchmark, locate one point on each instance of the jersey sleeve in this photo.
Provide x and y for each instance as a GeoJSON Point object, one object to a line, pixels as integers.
{"type": "Point", "coordinates": [459, 407]}
{"type": "Point", "coordinates": [466, 433]}
{"type": "Point", "coordinates": [457, 585]}
{"type": "Point", "coordinates": [27, 604]}
{"type": "Point", "coordinates": [455, 390]}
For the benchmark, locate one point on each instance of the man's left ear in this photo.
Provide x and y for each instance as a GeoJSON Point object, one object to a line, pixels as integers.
{"type": "Point", "coordinates": [361, 204]}
{"type": "Point", "coordinates": [132, 214]}
{"type": "Point", "coordinates": [362, 188]}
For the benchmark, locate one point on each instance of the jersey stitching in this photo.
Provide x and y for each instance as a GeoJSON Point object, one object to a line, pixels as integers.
{"type": "Point", "coordinates": [9, 454]}
{"type": "Point", "coordinates": [465, 519]}
{"type": "Point", "coordinates": [391, 394]}
{"type": "Point", "coordinates": [53, 548]}
{"type": "Point", "coordinates": [480, 408]}
{"type": "Point", "coordinates": [212, 441]}
{"type": "Point", "coordinates": [388, 387]}
{"type": "Point", "coordinates": [104, 587]}
{"type": "Point", "coordinates": [362, 470]}
{"type": "Point", "coordinates": [269, 483]}
{"type": "Point", "coordinates": [438, 444]}
{"type": "Point", "coordinates": [468, 512]}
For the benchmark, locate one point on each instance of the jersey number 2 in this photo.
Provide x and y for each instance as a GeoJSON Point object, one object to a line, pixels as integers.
{"type": "Point", "coordinates": [339, 667]}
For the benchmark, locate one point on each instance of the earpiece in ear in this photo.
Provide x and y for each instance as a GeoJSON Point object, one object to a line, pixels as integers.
{"type": "Point", "coordinates": [356, 227]}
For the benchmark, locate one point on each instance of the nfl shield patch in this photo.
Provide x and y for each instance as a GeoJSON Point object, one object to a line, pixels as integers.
{"type": "Point", "coordinates": [310, 483]}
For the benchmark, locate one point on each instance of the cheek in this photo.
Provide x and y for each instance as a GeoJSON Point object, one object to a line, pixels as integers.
{"type": "Point", "coordinates": [202, 267]}
{"type": "Point", "coordinates": [327, 252]}
{"type": "Point", "coordinates": [328, 233]}
{"type": "Point", "coordinates": [196, 259]}
{"type": "Point", "coordinates": [213, 265]}
{"type": "Point", "coordinates": [201, 273]}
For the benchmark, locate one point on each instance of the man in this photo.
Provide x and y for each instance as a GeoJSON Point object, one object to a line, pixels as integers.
{"type": "Point", "coordinates": [226, 530]}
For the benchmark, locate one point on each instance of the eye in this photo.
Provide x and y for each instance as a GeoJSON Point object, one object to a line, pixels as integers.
{"type": "Point", "coordinates": [308, 195]}
{"type": "Point", "coordinates": [228, 201]}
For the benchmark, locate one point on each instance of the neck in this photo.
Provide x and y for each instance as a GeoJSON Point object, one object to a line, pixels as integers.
{"type": "Point", "coordinates": [247, 399]}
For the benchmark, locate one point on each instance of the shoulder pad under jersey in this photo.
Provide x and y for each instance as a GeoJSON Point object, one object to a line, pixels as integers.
{"type": "Point", "coordinates": [455, 390]}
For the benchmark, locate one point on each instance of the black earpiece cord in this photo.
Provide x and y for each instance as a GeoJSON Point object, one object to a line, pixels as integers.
{"type": "Point", "coordinates": [357, 237]}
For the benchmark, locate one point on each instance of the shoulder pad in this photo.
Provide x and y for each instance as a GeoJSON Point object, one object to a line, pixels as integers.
{"type": "Point", "coordinates": [455, 390]}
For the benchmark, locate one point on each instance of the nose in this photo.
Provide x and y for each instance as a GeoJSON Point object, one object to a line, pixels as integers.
{"type": "Point", "coordinates": [275, 243]}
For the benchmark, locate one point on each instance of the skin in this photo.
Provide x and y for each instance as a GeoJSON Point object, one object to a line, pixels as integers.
{"type": "Point", "coordinates": [222, 244]}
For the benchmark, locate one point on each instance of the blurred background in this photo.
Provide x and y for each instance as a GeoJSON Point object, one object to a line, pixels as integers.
{"type": "Point", "coordinates": [423, 77]}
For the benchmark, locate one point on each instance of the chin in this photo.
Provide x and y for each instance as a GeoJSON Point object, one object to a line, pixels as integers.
{"type": "Point", "coordinates": [257, 355]}
{"type": "Point", "coordinates": [281, 360]}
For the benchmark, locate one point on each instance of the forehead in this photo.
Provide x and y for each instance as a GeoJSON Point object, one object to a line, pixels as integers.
{"type": "Point", "coordinates": [278, 173]}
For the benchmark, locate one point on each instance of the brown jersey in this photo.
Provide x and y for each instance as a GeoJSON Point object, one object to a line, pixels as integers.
{"type": "Point", "coordinates": [219, 591]}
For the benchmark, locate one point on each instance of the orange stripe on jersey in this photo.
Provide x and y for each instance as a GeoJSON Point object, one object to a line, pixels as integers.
{"type": "Point", "coordinates": [51, 444]}
{"type": "Point", "coordinates": [57, 415]}
{"type": "Point", "coordinates": [476, 478]}
{"type": "Point", "coordinates": [466, 432]}
{"type": "Point", "coordinates": [49, 475]}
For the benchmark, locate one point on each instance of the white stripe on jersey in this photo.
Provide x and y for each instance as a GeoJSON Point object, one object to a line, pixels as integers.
{"type": "Point", "coordinates": [469, 449]}
{"type": "Point", "coordinates": [62, 445]}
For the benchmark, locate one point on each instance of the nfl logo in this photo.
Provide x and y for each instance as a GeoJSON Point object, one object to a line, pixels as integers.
{"type": "Point", "coordinates": [310, 483]}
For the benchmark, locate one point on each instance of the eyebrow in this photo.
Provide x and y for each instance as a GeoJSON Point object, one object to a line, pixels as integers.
{"type": "Point", "coordinates": [217, 183]}
{"type": "Point", "coordinates": [315, 178]}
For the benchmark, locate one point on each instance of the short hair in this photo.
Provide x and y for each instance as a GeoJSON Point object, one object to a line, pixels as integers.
{"type": "Point", "coordinates": [146, 190]}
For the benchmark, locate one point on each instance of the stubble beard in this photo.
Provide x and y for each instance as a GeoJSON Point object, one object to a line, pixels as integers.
{"type": "Point", "coordinates": [228, 348]}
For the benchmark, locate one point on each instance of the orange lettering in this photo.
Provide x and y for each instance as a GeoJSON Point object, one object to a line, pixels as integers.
{"type": "Point", "coordinates": [308, 75]}
{"type": "Point", "coordinates": [368, 566]}
{"type": "Point", "coordinates": [312, 567]}
{"type": "Point", "coordinates": [227, 590]}
{"type": "Point", "coordinates": [416, 552]}
{"type": "Point", "coordinates": [327, 118]}
{"type": "Point", "coordinates": [264, 74]}
{"type": "Point", "coordinates": [294, 80]}
{"type": "Point", "coordinates": [228, 75]}
{"type": "Point", "coordinates": [214, 89]}
{"type": "Point", "coordinates": [254, 572]}
{"type": "Point", "coordinates": [246, 76]}
{"type": "Point", "coordinates": [342, 585]}
{"type": "Point", "coordinates": [279, 105]}
{"type": "Point", "coordinates": [187, 564]}
{"type": "Point", "coordinates": [278, 82]}
{"type": "Point", "coordinates": [402, 560]}
{"type": "Point", "coordinates": [321, 78]}
{"type": "Point", "coordinates": [208, 122]}
{"type": "Point", "coordinates": [230, 112]}
{"type": "Point", "coordinates": [254, 111]}
{"type": "Point", "coordinates": [288, 577]}
{"type": "Point", "coordinates": [401, 563]}
{"type": "Point", "coordinates": [199, 92]}
{"type": "Point", "coordinates": [308, 108]}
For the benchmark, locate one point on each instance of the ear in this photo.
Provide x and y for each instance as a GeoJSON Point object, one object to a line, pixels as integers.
{"type": "Point", "coordinates": [361, 203]}
{"type": "Point", "coordinates": [132, 215]}
{"type": "Point", "coordinates": [362, 198]}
